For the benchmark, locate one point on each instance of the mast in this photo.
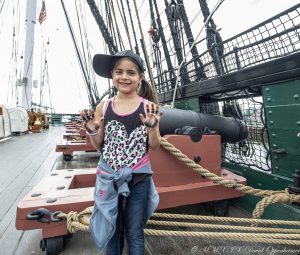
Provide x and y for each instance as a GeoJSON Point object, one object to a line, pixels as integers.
{"type": "Point", "coordinates": [28, 56]}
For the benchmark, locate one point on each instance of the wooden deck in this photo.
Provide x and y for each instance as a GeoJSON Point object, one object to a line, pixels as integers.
{"type": "Point", "coordinates": [25, 159]}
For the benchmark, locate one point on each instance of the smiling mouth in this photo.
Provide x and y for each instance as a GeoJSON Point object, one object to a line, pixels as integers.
{"type": "Point", "coordinates": [124, 84]}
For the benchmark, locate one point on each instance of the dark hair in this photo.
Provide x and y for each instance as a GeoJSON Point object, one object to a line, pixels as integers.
{"type": "Point", "coordinates": [145, 89]}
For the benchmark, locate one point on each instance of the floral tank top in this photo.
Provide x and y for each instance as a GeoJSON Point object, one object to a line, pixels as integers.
{"type": "Point", "coordinates": [125, 137]}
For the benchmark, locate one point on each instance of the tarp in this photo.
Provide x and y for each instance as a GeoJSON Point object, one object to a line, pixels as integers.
{"type": "Point", "coordinates": [18, 119]}
{"type": "Point", "coordinates": [5, 121]}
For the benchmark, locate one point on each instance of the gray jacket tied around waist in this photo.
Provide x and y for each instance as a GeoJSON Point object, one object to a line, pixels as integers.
{"type": "Point", "coordinates": [109, 185]}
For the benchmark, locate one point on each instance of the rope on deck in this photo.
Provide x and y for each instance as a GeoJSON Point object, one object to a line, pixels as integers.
{"type": "Point", "coordinates": [80, 221]}
{"type": "Point", "coordinates": [256, 238]}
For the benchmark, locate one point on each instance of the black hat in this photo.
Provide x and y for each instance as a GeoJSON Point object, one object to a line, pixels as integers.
{"type": "Point", "coordinates": [103, 64]}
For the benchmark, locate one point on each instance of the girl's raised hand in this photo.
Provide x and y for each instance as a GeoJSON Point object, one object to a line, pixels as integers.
{"type": "Point", "coordinates": [152, 116]}
{"type": "Point", "coordinates": [90, 123]}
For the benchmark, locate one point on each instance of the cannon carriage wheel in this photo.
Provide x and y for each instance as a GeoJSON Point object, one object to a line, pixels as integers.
{"type": "Point", "coordinates": [54, 245]}
{"type": "Point", "coordinates": [67, 157]}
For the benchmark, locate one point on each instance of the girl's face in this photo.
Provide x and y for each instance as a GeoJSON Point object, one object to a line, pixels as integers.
{"type": "Point", "coordinates": [126, 76]}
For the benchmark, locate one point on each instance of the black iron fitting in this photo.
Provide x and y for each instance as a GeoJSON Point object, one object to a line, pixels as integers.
{"type": "Point", "coordinates": [44, 215]}
{"type": "Point", "coordinates": [194, 132]}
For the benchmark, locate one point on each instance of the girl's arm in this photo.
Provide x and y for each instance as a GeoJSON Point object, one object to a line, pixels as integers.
{"type": "Point", "coordinates": [151, 122]}
{"type": "Point", "coordinates": [95, 126]}
{"type": "Point", "coordinates": [154, 137]}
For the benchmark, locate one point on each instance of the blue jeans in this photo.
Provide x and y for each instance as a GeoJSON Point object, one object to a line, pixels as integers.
{"type": "Point", "coordinates": [131, 220]}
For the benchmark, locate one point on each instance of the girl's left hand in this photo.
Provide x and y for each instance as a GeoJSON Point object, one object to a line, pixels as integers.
{"type": "Point", "coordinates": [152, 117]}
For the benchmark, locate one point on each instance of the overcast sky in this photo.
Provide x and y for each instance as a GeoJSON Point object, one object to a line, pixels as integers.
{"type": "Point", "coordinates": [68, 93]}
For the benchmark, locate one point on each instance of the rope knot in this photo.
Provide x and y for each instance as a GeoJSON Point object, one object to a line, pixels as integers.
{"type": "Point", "coordinates": [288, 196]}
{"type": "Point", "coordinates": [72, 217]}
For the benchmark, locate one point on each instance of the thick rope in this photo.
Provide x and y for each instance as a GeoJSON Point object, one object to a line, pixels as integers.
{"type": "Point", "coordinates": [223, 227]}
{"type": "Point", "coordinates": [270, 195]}
{"type": "Point", "coordinates": [80, 221]}
{"type": "Point", "coordinates": [256, 238]}
{"type": "Point", "coordinates": [77, 221]}
{"type": "Point", "coordinates": [266, 201]}
{"type": "Point", "coordinates": [225, 219]}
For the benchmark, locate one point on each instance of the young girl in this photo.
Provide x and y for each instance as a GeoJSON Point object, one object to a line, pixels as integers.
{"type": "Point", "coordinates": [123, 128]}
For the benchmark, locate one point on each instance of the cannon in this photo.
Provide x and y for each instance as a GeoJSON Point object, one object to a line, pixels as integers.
{"type": "Point", "coordinates": [230, 129]}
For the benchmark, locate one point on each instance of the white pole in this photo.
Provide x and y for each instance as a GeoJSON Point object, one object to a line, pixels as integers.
{"type": "Point", "coordinates": [28, 56]}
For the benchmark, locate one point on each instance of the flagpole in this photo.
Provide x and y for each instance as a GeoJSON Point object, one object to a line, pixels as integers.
{"type": "Point", "coordinates": [28, 56]}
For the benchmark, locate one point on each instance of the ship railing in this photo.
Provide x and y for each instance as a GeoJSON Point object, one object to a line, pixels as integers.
{"type": "Point", "coordinates": [274, 38]}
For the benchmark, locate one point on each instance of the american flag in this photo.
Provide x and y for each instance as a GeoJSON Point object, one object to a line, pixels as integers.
{"type": "Point", "coordinates": [42, 15]}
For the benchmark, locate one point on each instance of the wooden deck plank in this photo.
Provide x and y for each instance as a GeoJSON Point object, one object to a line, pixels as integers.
{"type": "Point", "coordinates": [12, 191]}
{"type": "Point", "coordinates": [23, 175]}
{"type": "Point", "coordinates": [9, 235]}
{"type": "Point", "coordinates": [39, 162]}
{"type": "Point", "coordinates": [81, 244]}
{"type": "Point", "coordinates": [29, 243]}
{"type": "Point", "coordinates": [20, 153]}
{"type": "Point", "coordinates": [80, 160]}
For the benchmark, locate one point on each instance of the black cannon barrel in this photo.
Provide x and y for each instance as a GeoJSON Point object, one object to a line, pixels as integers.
{"type": "Point", "coordinates": [231, 130]}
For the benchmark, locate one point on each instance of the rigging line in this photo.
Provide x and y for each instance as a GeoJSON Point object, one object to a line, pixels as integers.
{"type": "Point", "coordinates": [13, 58]}
{"type": "Point", "coordinates": [106, 51]}
{"type": "Point", "coordinates": [117, 27]}
{"type": "Point", "coordinates": [107, 19]}
{"type": "Point", "coordinates": [41, 71]}
{"type": "Point", "coordinates": [163, 38]}
{"type": "Point", "coordinates": [44, 76]}
{"type": "Point", "coordinates": [30, 59]}
{"type": "Point", "coordinates": [87, 82]}
{"type": "Point", "coordinates": [123, 16]}
{"type": "Point", "coordinates": [152, 13]}
{"type": "Point", "coordinates": [182, 37]}
{"type": "Point", "coordinates": [182, 62]}
{"type": "Point", "coordinates": [14, 95]}
{"type": "Point", "coordinates": [171, 11]}
{"type": "Point", "coordinates": [199, 72]}
{"type": "Point", "coordinates": [87, 45]}
{"type": "Point", "coordinates": [43, 65]}
{"type": "Point", "coordinates": [110, 23]}
{"type": "Point", "coordinates": [101, 8]}
{"type": "Point", "coordinates": [46, 79]}
{"type": "Point", "coordinates": [5, 13]}
{"type": "Point", "coordinates": [89, 57]}
{"type": "Point", "coordinates": [1, 8]}
{"type": "Point", "coordinates": [89, 61]}
{"type": "Point", "coordinates": [49, 88]}
{"type": "Point", "coordinates": [81, 37]}
{"type": "Point", "coordinates": [133, 29]}
{"type": "Point", "coordinates": [143, 47]}
{"type": "Point", "coordinates": [141, 5]}
{"type": "Point", "coordinates": [23, 42]}
{"type": "Point", "coordinates": [172, 47]}
{"type": "Point", "coordinates": [193, 20]}
{"type": "Point", "coordinates": [101, 13]}
{"type": "Point", "coordinates": [152, 43]}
